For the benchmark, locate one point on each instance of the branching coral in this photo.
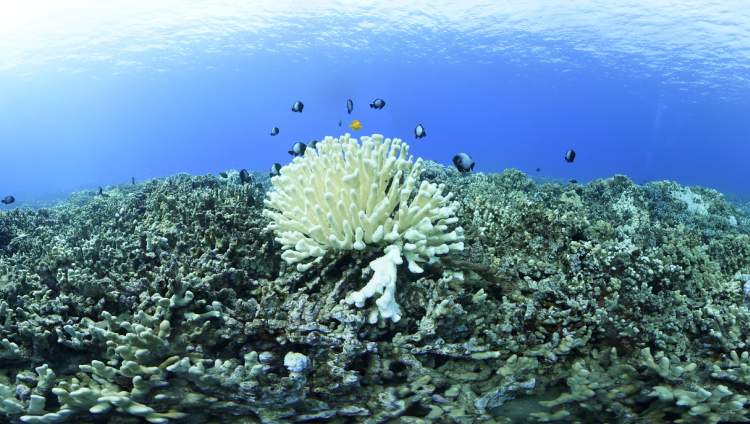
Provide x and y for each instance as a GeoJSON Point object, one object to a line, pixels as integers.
{"type": "Point", "coordinates": [347, 195]}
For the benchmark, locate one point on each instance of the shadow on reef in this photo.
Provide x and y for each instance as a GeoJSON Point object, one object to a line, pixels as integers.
{"type": "Point", "coordinates": [167, 301]}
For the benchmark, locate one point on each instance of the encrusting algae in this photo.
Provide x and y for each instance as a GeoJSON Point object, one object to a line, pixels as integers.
{"type": "Point", "coordinates": [169, 301]}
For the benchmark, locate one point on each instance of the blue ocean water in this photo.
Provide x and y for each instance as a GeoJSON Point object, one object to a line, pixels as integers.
{"type": "Point", "coordinates": [94, 93]}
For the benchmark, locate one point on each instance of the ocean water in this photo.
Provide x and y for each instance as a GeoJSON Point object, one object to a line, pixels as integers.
{"type": "Point", "coordinates": [92, 93]}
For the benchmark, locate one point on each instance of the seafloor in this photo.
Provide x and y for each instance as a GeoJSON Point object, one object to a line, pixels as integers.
{"type": "Point", "coordinates": [167, 301]}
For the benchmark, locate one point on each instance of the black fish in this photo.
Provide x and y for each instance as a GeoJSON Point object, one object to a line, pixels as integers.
{"type": "Point", "coordinates": [377, 104]}
{"type": "Point", "coordinates": [244, 176]}
{"type": "Point", "coordinates": [314, 144]}
{"type": "Point", "coordinates": [8, 200]}
{"type": "Point", "coordinates": [297, 106]}
{"type": "Point", "coordinates": [132, 180]}
{"type": "Point", "coordinates": [574, 181]}
{"type": "Point", "coordinates": [275, 130]}
{"type": "Point", "coordinates": [223, 174]}
{"type": "Point", "coordinates": [339, 122]}
{"type": "Point", "coordinates": [275, 170]}
{"type": "Point", "coordinates": [419, 131]}
{"type": "Point", "coordinates": [298, 149]}
{"type": "Point", "coordinates": [538, 169]}
{"type": "Point", "coordinates": [463, 163]}
{"type": "Point", "coordinates": [100, 192]}
{"type": "Point", "coordinates": [570, 156]}
{"type": "Point", "coordinates": [349, 106]}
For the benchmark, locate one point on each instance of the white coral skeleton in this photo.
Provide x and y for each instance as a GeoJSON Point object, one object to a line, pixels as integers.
{"type": "Point", "coordinates": [350, 194]}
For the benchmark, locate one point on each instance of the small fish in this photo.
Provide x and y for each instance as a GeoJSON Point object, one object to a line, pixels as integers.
{"type": "Point", "coordinates": [419, 131]}
{"type": "Point", "coordinates": [463, 163]}
{"type": "Point", "coordinates": [538, 169]}
{"type": "Point", "coordinates": [297, 106]}
{"type": "Point", "coordinates": [574, 181]}
{"type": "Point", "coordinates": [275, 130]}
{"type": "Point", "coordinates": [355, 125]}
{"type": "Point", "coordinates": [339, 122]}
{"type": "Point", "coordinates": [377, 104]}
{"type": "Point", "coordinates": [100, 192]}
{"type": "Point", "coordinates": [223, 174]}
{"type": "Point", "coordinates": [275, 170]}
{"type": "Point", "coordinates": [244, 176]}
{"type": "Point", "coordinates": [132, 180]}
{"type": "Point", "coordinates": [570, 156]}
{"type": "Point", "coordinates": [8, 200]}
{"type": "Point", "coordinates": [314, 144]}
{"type": "Point", "coordinates": [298, 149]}
{"type": "Point", "coordinates": [349, 106]}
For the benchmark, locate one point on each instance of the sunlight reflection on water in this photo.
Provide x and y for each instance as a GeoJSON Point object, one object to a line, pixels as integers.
{"type": "Point", "coordinates": [700, 43]}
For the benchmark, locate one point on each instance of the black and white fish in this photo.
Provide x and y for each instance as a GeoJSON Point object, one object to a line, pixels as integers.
{"type": "Point", "coordinates": [463, 163]}
{"type": "Point", "coordinates": [7, 200]}
{"type": "Point", "coordinates": [377, 104]}
{"type": "Point", "coordinates": [298, 149]}
{"type": "Point", "coordinates": [275, 170]}
{"type": "Point", "coordinates": [314, 144]}
{"type": "Point", "coordinates": [244, 176]}
{"type": "Point", "coordinates": [570, 156]}
{"type": "Point", "coordinates": [274, 131]}
{"type": "Point", "coordinates": [349, 106]}
{"type": "Point", "coordinates": [419, 131]}
{"type": "Point", "coordinates": [297, 106]}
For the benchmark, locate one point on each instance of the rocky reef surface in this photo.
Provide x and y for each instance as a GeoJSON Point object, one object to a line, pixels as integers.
{"type": "Point", "coordinates": [168, 301]}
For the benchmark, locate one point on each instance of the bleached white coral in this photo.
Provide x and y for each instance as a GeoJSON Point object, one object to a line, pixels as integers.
{"type": "Point", "coordinates": [383, 282]}
{"type": "Point", "coordinates": [296, 362]}
{"type": "Point", "coordinates": [348, 194]}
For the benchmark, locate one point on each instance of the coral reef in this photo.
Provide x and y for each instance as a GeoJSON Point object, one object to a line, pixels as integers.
{"type": "Point", "coordinates": [169, 302]}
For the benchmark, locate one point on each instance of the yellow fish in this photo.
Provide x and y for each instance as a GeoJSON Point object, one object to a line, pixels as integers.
{"type": "Point", "coordinates": [355, 125]}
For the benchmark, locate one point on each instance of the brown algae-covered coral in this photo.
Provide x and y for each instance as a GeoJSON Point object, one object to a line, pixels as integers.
{"type": "Point", "coordinates": [169, 301]}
